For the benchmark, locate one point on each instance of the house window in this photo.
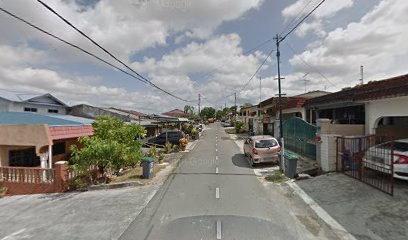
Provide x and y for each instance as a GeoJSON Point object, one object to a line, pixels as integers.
{"type": "Point", "coordinates": [58, 148]}
{"type": "Point", "coordinates": [52, 110]}
{"type": "Point", "coordinates": [28, 109]}
{"type": "Point", "coordinates": [23, 158]}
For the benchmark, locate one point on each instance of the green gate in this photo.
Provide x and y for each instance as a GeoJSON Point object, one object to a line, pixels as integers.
{"type": "Point", "coordinates": [300, 137]}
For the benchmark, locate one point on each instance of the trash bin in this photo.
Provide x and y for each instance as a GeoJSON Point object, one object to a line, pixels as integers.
{"type": "Point", "coordinates": [148, 165]}
{"type": "Point", "coordinates": [290, 164]}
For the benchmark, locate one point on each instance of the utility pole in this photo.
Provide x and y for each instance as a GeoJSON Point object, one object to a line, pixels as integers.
{"type": "Point", "coordinates": [199, 104]}
{"type": "Point", "coordinates": [362, 74]}
{"type": "Point", "coordinates": [260, 89]}
{"type": "Point", "coordinates": [235, 106]}
{"type": "Point", "coordinates": [278, 40]}
{"type": "Point", "coordinates": [305, 80]}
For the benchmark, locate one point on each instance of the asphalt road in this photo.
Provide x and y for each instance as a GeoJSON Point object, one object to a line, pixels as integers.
{"type": "Point", "coordinates": [214, 194]}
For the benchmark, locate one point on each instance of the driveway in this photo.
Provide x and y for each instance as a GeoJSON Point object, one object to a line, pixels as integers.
{"type": "Point", "coordinates": [362, 210]}
{"type": "Point", "coordinates": [101, 214]}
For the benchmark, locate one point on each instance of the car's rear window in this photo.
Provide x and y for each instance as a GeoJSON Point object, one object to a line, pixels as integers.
{"type": "Point", "coordinates": [266, 143]}
{"type": "Point", "coordinates": [400, 146]}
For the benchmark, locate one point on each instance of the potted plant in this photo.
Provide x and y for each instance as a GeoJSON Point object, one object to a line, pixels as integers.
{"type": "Point", "coordinates": [183, 143]}
{"type": "Point", "coordinates": [161, 157]}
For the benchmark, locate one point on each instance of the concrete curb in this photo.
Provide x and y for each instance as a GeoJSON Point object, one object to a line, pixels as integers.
{"type": "Point", "coordinates": [337, 228]}
{"type": "Point", "coordinates": [115, 185]}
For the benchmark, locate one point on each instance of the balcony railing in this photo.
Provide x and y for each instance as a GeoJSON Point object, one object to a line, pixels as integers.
{"type": "Point", "coordinates": [27, 175]}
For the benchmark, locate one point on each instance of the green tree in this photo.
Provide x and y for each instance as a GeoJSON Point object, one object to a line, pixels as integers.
{"type": "Point", "coordinates": [219, 115]}
{"type": "Point", "coordinates": [189, 109]}
{"type": "Point", "coordinates": [207, 112]}
{"type": "Point", "coordinates": [112, 146]}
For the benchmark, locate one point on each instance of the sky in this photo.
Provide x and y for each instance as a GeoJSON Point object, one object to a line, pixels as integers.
{"type": "Point", "coordinates": [191, 47]}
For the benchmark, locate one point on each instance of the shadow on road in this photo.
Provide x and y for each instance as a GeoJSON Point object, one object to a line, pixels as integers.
{"type": "Point", "coordinates": [240, 160]}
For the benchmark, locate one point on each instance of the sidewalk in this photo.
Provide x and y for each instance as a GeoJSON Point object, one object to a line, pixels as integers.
{"type": "Point", "coordinates": [362, 210]}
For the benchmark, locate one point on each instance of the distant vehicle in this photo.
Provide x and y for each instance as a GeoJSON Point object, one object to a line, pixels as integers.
{"type": "Point", "coordinates": [380, 162]}
{"type": "Point", "coordinates": [261, 149]}
{"type": "Point", "coordinates": [211, 120]}
{"type": "Point", "coordinates": [173, 137]}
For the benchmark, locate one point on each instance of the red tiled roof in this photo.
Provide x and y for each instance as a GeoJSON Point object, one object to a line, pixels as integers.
{"type": "Point", "coordinates": [287, 102]}
{"type": "Point", "coordinates": [64, 132]}
{"type": "Point", "coordinates": [176, 113]}
{"type": "Point", "coordinates": [392, 87]}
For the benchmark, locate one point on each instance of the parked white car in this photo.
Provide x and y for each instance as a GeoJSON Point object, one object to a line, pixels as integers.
{"type": "Point", "coordinates": [381, 160]}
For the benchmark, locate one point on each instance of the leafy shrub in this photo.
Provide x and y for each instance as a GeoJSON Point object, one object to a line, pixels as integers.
{"type": "Point", "coordinates": [112, 146]}
{"type": "Point", "coordinates": [168, 147]}
{"type": "Point", "coordinates": [176, 148]}
{"type": "Point", "coordinates": [238, 126]}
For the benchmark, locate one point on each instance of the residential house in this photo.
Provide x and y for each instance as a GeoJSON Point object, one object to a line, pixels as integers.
{"type": "Point", "coordinates": [35, 140]}
{"type": "Point", "coordinates": [378, 106]}
{"type": "Point", "coordinates": [13, 101]}
{"type": "Point", "coordinates": [291, 107]}
{"type": "Point", "coordinates": [176, 113]}
{"type": "Point", "coordinates": [248, 115]}
{"type": "Point", "coordinates": [152, 128]}
{"type": "Point", "coordinates": [87, 111]}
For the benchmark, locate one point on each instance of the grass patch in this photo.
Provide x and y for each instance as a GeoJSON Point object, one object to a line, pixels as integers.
{"type": "Point", "coordinates": [276, 177]}
{"type": "Point", "coordinates": [136, 174]}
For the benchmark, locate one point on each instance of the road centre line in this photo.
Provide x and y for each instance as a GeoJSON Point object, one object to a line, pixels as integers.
{"type": "Point", "coordinates": [218, 229]}
{"type": "Point", "coordinates": [217, 193]}
{"type": "Point", "coordinates": [216, 170]}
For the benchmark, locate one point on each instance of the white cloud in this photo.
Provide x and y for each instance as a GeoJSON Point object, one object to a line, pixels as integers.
{"type": "Point", "coordinates": [376, 41]}
{"type": "Point", "coordinates": [125, 28]}
{"type": "Point", "coordinates": [219, 60]}
{"type": "Point", "coordinates": [314, 24]}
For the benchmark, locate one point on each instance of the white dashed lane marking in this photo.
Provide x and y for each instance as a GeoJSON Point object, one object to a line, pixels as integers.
{"type": "Point", "coordinates": [217, 193]}
{"type": "Point", "coordinates": [218, 229]}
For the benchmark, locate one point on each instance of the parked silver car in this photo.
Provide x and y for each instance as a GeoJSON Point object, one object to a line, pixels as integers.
{"type": "Point", "coordinates": [260, 149]}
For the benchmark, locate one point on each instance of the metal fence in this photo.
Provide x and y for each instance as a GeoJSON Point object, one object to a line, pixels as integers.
{"type": "Point", "coordinates": [300, 137]}
{"type": "Point", "coordinates": [368, 159]}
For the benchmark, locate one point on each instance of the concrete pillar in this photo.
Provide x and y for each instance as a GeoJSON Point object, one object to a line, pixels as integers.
{"type": "Point", "coordinates": [323, 126]}
{"type": "Point", "coordinates": [50, 156]}
{"type": "Point", "coordinates": [327, 152]}
{"type": "Point", "coordinates": [61, 176]}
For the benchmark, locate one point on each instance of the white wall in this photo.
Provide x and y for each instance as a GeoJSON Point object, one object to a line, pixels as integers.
{"type": "Point", "coordinates": [326, 152]}
{"type": "Point", "coordinates": [42, 109]}
{"type": "Point", "coordinates": [389, 107]}
{"type": "Point", "coordinates": [294, 110]}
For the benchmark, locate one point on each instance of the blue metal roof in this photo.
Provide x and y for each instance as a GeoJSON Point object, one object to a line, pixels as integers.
{"type": "Point", "coordinates": [17, 118]}
{"type": "Point", "coordinates": [17, 96]}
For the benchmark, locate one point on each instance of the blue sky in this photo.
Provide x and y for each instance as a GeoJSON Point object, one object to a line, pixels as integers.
{"type": "Point", "coordinates": [189, 47]}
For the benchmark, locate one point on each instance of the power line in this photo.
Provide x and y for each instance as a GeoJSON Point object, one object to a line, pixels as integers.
{"type": "Point", "coordinates": [298, 17]}
{"type": "Point", "coordinates": [109, 53]}
{"type": "Point", "coordinates": [257, 46]}
{"type": "Point", "coordinates": [259, 68]}
{"type": "Point", "coordinates": [307, 64]}
{"type": "Point", "coordinates": [77, 47]}
{"type": "Point", "coordinates": [301, 21]}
